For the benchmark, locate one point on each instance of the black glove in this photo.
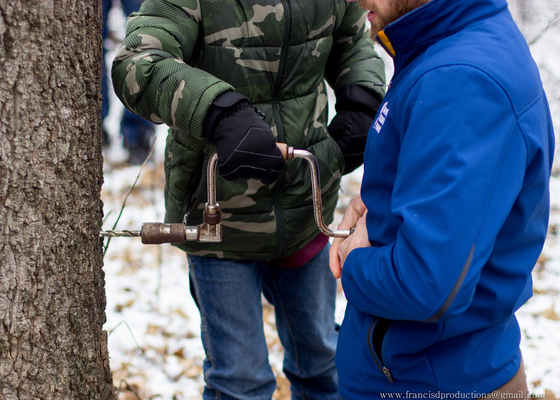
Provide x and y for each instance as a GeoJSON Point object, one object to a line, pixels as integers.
{"type": "Point", "coordinates": [355, 109]}
{"type": "Point", "coordinates": [245, 144]}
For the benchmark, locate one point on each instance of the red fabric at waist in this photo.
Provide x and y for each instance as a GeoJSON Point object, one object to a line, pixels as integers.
{"type": "Point", "coordinates": [305, 254]}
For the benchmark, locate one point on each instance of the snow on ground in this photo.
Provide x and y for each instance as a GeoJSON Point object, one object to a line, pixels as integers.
{"type": "Point", "coordinates": [153, 324]}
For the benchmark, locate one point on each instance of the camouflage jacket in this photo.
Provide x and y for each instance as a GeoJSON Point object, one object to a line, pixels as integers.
{"type": "Point", "coordinates": [178, 55]}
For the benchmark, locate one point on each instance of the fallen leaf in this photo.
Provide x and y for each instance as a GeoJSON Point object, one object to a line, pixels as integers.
{"type": "Point", "coordinates": [551, 314]}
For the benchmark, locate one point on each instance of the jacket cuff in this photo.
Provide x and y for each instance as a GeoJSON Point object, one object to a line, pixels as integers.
{"type": "Point", "coordinates": [354, 97]}
{"type": "Point", "coordinates": [224, 103]}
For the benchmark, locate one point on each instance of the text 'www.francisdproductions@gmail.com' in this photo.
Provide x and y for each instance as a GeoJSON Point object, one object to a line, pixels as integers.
{"type": "Point", "coordinates": [496, 395]}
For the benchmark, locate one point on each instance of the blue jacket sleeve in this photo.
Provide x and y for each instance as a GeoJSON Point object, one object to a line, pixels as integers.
{"type": "Point", "coordinates": [461, 165]}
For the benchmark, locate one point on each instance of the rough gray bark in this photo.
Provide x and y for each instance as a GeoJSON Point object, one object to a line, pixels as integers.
{"type": "Point", "coordinates": [52, 296]}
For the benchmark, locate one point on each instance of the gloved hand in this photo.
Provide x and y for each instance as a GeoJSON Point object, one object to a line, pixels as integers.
{"type": "Point", "coordinates": [245, 144]}
{"type": "Point", "coordinates": [356, 107]}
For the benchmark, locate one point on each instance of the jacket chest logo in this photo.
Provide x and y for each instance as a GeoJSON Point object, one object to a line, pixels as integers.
{"type": "Point", "coordinates": [381, 117]}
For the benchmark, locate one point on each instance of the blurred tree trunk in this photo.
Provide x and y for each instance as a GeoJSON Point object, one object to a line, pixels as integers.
{"type": "Point", "coordinates": [524, 11]}
{"type": "Point", "coordinates": [52, 296]}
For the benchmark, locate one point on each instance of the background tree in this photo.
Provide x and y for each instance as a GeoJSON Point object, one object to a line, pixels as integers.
{"type": "Point", "coordinates": [52, 298]}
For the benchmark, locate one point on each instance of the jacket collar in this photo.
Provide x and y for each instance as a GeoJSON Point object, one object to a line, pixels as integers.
{"type": "Point", "coordinates": [410, 35]}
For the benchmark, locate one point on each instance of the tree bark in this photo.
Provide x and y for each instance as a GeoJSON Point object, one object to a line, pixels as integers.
{"type": "Point", "coordinates": [52, 296]}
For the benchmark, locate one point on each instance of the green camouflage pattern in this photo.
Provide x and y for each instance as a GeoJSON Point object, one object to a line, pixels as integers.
{"type": "Point", "coordinates": [178, 55]}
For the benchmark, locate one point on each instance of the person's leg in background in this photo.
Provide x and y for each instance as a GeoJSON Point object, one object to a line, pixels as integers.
{"type": "Point", "coordinates": [105, 7]}
{"type": "Point", "coordinates": [304, 302]}
{"type": "Point", "coordinates": [228, 295]}
{"type": "Point", "coordinates": [137, 136]}
{"type": "Point", "coordinates": [137, 132]}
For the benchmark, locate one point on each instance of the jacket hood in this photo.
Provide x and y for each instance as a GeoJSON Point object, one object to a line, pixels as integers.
{"type": "Point", "coordinates": [410, 35]}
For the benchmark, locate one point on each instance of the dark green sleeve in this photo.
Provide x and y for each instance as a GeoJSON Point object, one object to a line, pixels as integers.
{"type": "Point", "coordinates": [353, 60]}
{"type": "Point", "coordinates": [151, 72]}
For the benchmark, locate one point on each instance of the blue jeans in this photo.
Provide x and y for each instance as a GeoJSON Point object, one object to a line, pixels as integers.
{"type": "Point", "coordinates": [228, 294]}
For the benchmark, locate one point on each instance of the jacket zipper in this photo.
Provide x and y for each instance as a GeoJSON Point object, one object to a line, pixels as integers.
{"type": "Point", "coordinates": [377, 357]}
{"type": "Point", "coordinates": [280, 129]}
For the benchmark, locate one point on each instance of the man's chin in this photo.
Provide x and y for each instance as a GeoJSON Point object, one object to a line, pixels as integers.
{"type": "Point", "coordinates": [375, 28]}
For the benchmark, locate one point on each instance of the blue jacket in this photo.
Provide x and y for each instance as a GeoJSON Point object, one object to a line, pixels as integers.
{"type": "Point", "coordinates": [456, 186]}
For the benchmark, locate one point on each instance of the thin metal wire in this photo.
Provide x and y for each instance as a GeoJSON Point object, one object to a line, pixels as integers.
{"type": "Point", "coordinates": [124, 233]}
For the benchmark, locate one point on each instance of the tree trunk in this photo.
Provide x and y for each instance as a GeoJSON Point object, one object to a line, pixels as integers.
{"type": "Point", "coordinates": [524, 11]}
{"type": "Point", "coordinates": [52, 296]}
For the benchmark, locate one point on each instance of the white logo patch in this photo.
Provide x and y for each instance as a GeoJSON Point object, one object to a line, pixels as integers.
{"type": "Point", "coordinates": [381, 117]}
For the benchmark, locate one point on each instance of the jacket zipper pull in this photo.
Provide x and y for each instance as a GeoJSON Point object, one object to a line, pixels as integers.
{"type": "Point", "coordinates": [387, 373]}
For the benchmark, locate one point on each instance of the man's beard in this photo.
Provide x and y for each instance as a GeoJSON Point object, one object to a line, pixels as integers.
{"type": "Point", "coordinates": [385, 17]}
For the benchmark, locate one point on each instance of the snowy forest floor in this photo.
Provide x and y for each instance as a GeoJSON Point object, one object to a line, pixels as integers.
{"type": "Point", "coordinates": [153, 324]}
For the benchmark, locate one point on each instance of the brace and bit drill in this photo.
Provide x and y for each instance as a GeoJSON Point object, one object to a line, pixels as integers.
{"type": "Point", "coordinates": [210, 230]}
